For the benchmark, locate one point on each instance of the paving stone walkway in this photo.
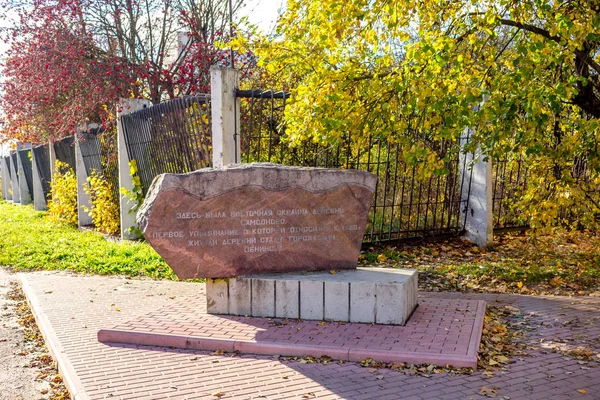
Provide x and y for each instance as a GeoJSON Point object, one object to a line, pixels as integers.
{"type": "Point", "coordinates": [440, 331]}
{"type": "Point", "coordinates": [71, 309]}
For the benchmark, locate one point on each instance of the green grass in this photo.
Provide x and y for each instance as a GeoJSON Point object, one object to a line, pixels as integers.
{"type": "Point", "coordinates": [29, 241]}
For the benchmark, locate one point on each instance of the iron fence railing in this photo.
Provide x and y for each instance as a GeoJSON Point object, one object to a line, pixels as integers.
{"type": "Point", "coordinates": [408, 201]}
{"type": "Point", "coordinates": [15, 166]}
{"type": "Point", "coordinates": [65, 151]}
{"type": "Point", "coordinates": [42, 163]}
{"type": "Point", "coordinates": [99, 153]}
{"type": "Point", "coordinates": [7, 163]}
{"type": "Point", "coordinates": [25, 157]}
{"type": "Point", "coordinates": [509, 181]}
{"type": "Point", "coordinates": [174, 137]}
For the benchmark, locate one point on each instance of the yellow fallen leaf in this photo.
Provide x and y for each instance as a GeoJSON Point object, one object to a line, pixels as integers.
{"type": "Point", "coordinates": [333, 272]}
{"type": "Point", "coordinates": [556, 281]}
{"type": "Point", "coordinates": [488, 391]}
{"type": "Point", "coordinates": [502, 359]}
{"type": "Point", "coordinates": [382, 258]}
{"type": "Point", "coordinates": [520, 285]}
{"type": "Point", "coordinates": [582, 391]}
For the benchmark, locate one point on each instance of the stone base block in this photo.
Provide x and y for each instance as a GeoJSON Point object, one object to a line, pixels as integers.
{"type": "Point", "coordinates": [366, 295]}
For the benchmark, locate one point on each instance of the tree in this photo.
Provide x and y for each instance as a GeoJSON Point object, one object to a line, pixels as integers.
{"type": "Point", "coordinates": [70, 61]}
{"type": "Point", "coordinates": [417, 72]}
{"type": "Point", "coordinates": [54, 79]}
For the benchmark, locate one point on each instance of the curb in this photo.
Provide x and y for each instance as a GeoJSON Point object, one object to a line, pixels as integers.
{"type": "Point", "coordinates": [351, 354]}
{"type": "Point", "coordinates": [65, 368]}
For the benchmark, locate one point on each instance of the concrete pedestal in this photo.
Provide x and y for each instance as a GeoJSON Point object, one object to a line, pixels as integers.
{"type": "Point", "coordinates": [367, 295]}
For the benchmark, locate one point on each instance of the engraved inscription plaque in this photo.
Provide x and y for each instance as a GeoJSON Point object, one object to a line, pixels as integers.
{"type": "Point", "coordinates": [257, 218]}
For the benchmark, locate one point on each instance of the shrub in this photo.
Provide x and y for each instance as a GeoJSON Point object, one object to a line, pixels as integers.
{"type": "Point", "coordinates": [104, 208]}
{"type": "Point", "coordinates": [135, 196]}
{"type": "Point", "coordinates": [62, 206]}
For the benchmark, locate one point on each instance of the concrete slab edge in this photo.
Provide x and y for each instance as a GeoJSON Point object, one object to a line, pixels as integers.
{"type": "Point", "coordinates": [475, 339]}
{"type": "Point", "coordinates": [65, 368]}
{"type": "Point", "coordinates": [299, 350]}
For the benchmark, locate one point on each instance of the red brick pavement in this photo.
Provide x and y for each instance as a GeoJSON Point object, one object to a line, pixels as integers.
{"type": "Point", "coordinates": [71, 309]}
{"type": "Point", "coordinates": [440, 331]}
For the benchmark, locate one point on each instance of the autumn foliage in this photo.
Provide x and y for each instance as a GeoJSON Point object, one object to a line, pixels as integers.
{"type": "Point", "coordinates": [520, 79]}
{"type": "Point", "coordinates": [70, 61]}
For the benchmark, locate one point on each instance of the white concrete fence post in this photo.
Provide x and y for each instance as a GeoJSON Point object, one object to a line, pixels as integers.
{"type": "Point", "coordinates": [126, 106]}
{"type": "Point", "coordinates": [52, 157]}
{"type": "Point", "coordinates": [16, 197]}
{"type": "Point", "coordinates": [225, 109]}
{"type": "Point", "coordinates": [476, 178]}
{"type": "Point", "coordinates": [39, 200]}
{"type": "Point", "coordinates": [5, 179]}
{"type": "Point", "coordinates": [83, 199]}
{"type": "Point", "coordinates": [23, 187]}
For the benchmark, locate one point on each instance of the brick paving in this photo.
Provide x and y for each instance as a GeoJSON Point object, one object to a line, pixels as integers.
{"type": "Point", "coordinates": [440, 331]}
{"type": "Point", "coordinates": [71, 309]}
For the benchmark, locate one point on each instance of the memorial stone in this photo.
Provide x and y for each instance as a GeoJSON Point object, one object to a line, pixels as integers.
{"type": "Point", "coordinates": [257, 218]}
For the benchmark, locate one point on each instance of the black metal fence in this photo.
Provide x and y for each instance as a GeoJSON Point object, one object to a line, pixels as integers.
{"type": "Point", "coordinates": [15, 166]}
{"type": "Point", "coordinates": [99, 152]}
{"type": "Point", "coordinates": [7, 163]}
{"type": "Point", "coordinates": [65, 151]}
{"type": "Point", "coordinates": [25, 157]}
{"type": "Point", "coordinates": [174, 137]}
{"type": "Point", "coordinates": [42, 163]}
{"type": "Point", "coordinates": [509, 180]}
{"type": "Point", "coordinates": [408, 201]}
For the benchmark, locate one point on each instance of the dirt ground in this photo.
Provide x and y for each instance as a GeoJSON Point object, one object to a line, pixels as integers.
{"type": "Point", "coordinates": [26, 370]}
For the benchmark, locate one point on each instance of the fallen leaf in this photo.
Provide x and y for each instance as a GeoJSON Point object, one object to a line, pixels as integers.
{"type": "Point", "coordinates": [219, 394]}
{"type": "Point", "coordinates": [333, 272]}
{"type": "Point", "coordinates": [488, 391]}
{"type": "Point", "coordinates": [382, 258]}
{"type": "Point", "coordinates": [582, 391]}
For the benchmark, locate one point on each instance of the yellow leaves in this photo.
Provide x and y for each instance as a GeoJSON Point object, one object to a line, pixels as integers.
{"type": "Point", "coordinates": [502, 359]}
{"type": "Point", "coordinates": [382, 258]}
{"type": "Point", "coordinates": [488, 391]}
{"type": "Point", "coordinates": [556, 281]}
{"type": "Point", "coordinates": [582, 391]}
{"type": "Point", "coordinates": [520, 285]}
{"type": "Point", "coordinates": [104, 208]}
{"type": "Point", "coordinates": [133, 168]}
{"type": "Point", "coordinates": [62, 205]}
